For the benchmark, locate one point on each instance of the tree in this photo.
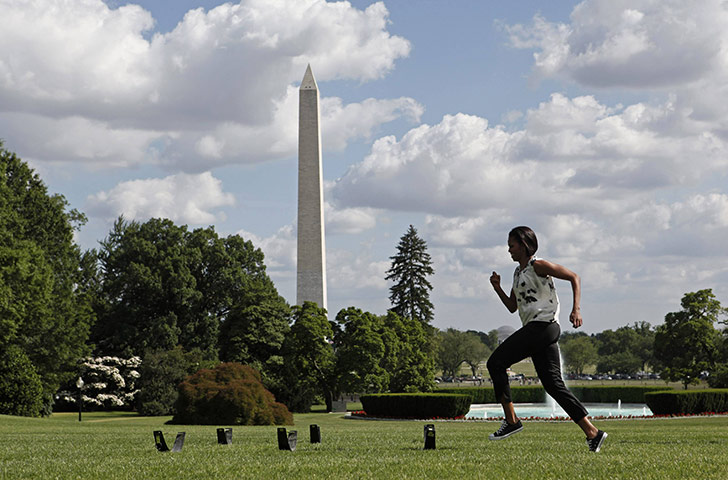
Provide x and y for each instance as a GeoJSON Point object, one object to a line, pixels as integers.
{"type": "Point", "coordinates": [455, 348]}
{"type": "Point", "coordinates": [686, 343]}
{"type": "Point", "coordinates": [475, 351]}
{"type": "Point", "coordinates": [162, 286]}
{"type": "Point", "coordinates": [626, 350]}
{"type": "Point", "coordinates": [409, 354]}
{"type": "Point", "coordinates": [148, 289]}
{"type": "Point", "coordinates": [308, 356]}
{"type": "Point", "coordinates": [490, 339]}
{"type": "Point", "coordinates": [360, 349]}
{"type": "Point", "coordinates": [161, 373]}
{"type": "Point", "coordinates": [643, 345]}
{"type": "Point", "coordinates": [42, 309]}
{"type": "Point", "coordinates": [21, 392]}
{"type": "Point", "coordinates": [239, 296]}
{"type": "Point", "coordinates": [621, 362]}
{"type": "Point", "coordinates": [410, 294]}
{"type": "Point", "coordinates": [578, 353]}
{"type": "Point", "coordinates": [253, 334]}
{"type": "Point", "coordinates": [450, 351]}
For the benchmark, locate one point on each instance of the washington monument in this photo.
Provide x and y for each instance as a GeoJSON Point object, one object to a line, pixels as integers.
{"type": "Point", "coordinates": [311, 275]}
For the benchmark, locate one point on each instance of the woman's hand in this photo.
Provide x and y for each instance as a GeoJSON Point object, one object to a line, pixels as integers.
{"type": "Point", "coordinates": [575, 318]}
{"type": "Point", "coordinates": [508, 300]}
{"type": "Point", "coordinates": [495, 280]}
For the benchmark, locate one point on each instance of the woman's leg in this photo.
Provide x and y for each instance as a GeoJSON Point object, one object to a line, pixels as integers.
{"type": "Point", "coordinates": [513, 349]}
{"type": "Point", "coordinates": [548, 367]}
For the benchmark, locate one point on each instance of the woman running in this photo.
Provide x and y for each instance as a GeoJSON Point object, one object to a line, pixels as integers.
{"type": "Point", "coordinates": [534, 296]}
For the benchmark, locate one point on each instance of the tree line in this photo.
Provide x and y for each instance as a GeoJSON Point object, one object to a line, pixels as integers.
{"type": "Point", "coordinates": [179, 300]}
{"type": "Point", "coordinates": [689, 346]}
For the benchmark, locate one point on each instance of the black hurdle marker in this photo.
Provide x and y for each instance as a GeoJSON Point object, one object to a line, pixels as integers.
{"type": "Point", "coordinates": [224, 436]}
{"type": "Point", "coordinates": [429, 436]}
{"type": "Point", "coordinates": [162, 445]}
{"type": "Point", "coordinates": [315, 432]}
{"type": "Point", "coordinates": [287, 441]}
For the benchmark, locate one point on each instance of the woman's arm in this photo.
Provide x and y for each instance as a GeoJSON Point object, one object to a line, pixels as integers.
{"type": "Point", "coordinates": [544, 268]}
{"type": "Point", "coordinates": [508, 301]}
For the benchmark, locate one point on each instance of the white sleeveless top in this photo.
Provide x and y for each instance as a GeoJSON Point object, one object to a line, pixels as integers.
{"type": "Point", "coordinates": [535, 296]}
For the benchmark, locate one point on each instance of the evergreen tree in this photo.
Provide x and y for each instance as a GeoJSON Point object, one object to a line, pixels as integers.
{"type": "Point", "coordinates": [410, 294]}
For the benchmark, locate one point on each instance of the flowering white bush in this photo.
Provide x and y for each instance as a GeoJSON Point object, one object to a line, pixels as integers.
{"type": "Point", "coordinates": [109, 382]}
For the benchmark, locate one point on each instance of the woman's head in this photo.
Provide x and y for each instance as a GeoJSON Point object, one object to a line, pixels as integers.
{"type": "Point", "coordinates": [526, 238]}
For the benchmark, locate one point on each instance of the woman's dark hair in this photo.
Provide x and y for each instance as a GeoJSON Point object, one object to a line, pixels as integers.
{"type": "Point", "coordinates": [526, 237]}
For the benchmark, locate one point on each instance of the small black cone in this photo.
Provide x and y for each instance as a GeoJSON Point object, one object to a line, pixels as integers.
{"type": "Point", "coordinates": [224, 436]}
{"type": "Point", "coordinates": [315, 433]}
{"type": "Point", "coordinates": [429, 436]}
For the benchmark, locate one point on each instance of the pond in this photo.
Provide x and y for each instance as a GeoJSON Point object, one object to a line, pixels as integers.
{"type": "Point", "coordinates": [543, 410]}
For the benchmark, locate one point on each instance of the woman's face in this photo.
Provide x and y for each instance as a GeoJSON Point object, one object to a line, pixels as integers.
{"type": "Point", "coordinates": [516, 249]}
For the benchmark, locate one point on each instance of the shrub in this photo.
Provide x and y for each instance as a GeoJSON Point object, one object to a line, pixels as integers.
{"type": "Point", "coordinates": [229, 394]}
{"type": "Point", "coordinates": [416, 405]}
{"type": "Point", "coordinates": [688, 401]}
{"type": "Point", "coordinates": [109, 383]}
{"type": "Point", "coordinates": [21, 392]}
{"type": "Point", "coordinates": [719, 377]}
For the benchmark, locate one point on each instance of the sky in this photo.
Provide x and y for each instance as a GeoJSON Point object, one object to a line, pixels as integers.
{"type": "Point", "coordinates": [603, 125]}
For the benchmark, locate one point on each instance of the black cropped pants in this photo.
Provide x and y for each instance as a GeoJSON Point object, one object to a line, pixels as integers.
{"type": "Point", "coordinates": [537, 340]}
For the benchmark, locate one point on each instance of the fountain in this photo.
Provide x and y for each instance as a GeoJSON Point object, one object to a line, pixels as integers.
{"type": "Point", "coordinates": [553, 411]}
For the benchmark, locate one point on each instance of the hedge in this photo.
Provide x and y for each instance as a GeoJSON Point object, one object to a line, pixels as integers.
{"type": "Point", "coordinates": [614, 393]}
{"type": "Point", "coordinates": [528, 394]}
{"type": "Point", "coordinates": [416, 405]}
{"type": "Point", "coordinates": [688, 401]}
{"type": "Point", "coordinates": [586, 393]}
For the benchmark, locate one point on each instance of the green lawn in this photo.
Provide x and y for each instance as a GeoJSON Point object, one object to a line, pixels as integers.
{"type": "Point", "coordinates": [122, 446]}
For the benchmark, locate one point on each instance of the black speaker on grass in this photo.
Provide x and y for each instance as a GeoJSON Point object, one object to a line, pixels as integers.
{"type": "Point", "coordinates": [315, 432]}
{"type": "Point", "coordinates": [287, 441]}
{"type": "Point", "coordinates": [429, 436]}
{"type": "Point", "coordinates": [224, 436]}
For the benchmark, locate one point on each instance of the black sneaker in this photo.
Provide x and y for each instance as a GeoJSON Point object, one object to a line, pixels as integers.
{"type": "Point", "coordinates": [596, 443]}
{"type": "Point", "coordinates": [506, 429]}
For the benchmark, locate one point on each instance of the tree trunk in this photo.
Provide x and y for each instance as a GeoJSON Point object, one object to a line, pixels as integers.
{"type": "Point", "coordinates": [329, 398]}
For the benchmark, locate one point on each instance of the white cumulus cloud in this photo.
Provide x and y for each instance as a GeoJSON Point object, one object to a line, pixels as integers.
{"type": "Point", "coordinates": [572, 155]}
{"type": "Point", "coordinates": [217, 89]}
{"type": "Point", "coordinates": [183, 198]}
